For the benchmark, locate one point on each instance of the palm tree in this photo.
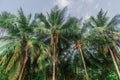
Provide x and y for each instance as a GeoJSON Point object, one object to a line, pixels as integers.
{"type": "Point", "coordinates": [21, 48]}
{"type": "Point", "coordinates": [80, 44]}
{"type": "Point", "coordinates": [106, 33]}
{"type": "Point", "coordinates": [59, 32]}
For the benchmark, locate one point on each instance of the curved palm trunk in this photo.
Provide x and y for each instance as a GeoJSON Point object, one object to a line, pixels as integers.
{"type": "Point", "coordinates": [25, 61]}
{"type": "Point", "coordinates": [81, 53]}
{"type": "Point", "coordinates": [114, 61]}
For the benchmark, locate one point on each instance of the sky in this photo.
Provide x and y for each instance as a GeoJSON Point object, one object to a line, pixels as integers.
{"type": "Point", "coordinates": [78, 8]}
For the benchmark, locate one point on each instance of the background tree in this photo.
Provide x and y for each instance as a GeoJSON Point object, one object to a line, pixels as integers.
{"type": "Point", "coordinates": [106, 34]}
{"type": "Point", "coordinates": [21, 49]}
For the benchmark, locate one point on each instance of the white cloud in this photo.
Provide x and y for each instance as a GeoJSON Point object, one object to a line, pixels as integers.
{"type": "Point", "coordinates": [63, 3]}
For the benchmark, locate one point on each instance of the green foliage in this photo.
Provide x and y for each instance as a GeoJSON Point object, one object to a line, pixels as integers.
{"type": "Point", "coordinates": [31, 39]}
{"type": "Point", "coordinates": [112, 76]}
{"type": "Point", "coordinates": [37, 78]}
{"type": "Point", "coordinates": [2, 74]}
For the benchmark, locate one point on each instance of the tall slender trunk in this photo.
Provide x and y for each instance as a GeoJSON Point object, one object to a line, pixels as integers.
{"type": "Point", "coordinates": [81, 53]}
{"type": "Point", "coordinates": [116, 58]}
{"type": "Point", "coordinates": [25, 61]}
{"type": "Point", "coordinates": [54, 61]}
{"type": "Point", "coordinates": [54, 41]}
{"type": "Point", "coordinates": [114, 61]}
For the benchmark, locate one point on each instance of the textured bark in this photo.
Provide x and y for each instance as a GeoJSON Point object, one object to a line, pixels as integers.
{"type": "Point", "coordinates": [114, 61]}
{"type": "Point", "coordinates": [25, 61]}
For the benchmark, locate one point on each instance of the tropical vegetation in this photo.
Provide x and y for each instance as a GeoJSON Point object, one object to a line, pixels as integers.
{"type": "Point", "coordinates": [59, 47]}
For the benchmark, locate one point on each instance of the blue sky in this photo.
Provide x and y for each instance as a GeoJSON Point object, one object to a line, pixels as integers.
{"type": "Point", "coordinates": [77, 8]}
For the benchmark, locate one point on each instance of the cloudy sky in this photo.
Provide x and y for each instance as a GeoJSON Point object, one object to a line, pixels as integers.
{"type": "Point", "coordinates": [77, 8]}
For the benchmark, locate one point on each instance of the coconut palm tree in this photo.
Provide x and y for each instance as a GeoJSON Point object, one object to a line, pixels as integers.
{"type": "Point", "coordinates": [59, 31]}
{"type": "Point", "coordinates": [21, 48]}
{"type": "Point", "coordinates": [104, 35]}
{"type": "Point", "coordinates": [80, 44]}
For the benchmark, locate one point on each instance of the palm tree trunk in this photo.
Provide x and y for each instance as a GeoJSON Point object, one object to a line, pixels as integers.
{"type": "Point", "coordinates": [81, 53]}
{"type": "Point", "coordinates": [54, 41]}
{"type": "Point", "coordinates": [25, 61]}
{"type": "Point", "coordinates": [116, 58]}
{"type": "Point", "coordinates": [54, 61]}
{"type": "Point", "coordinates": [115, 64]}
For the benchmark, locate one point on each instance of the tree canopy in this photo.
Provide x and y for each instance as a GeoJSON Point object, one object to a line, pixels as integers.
{"type": "Point", "coordinates": [59, 47]}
